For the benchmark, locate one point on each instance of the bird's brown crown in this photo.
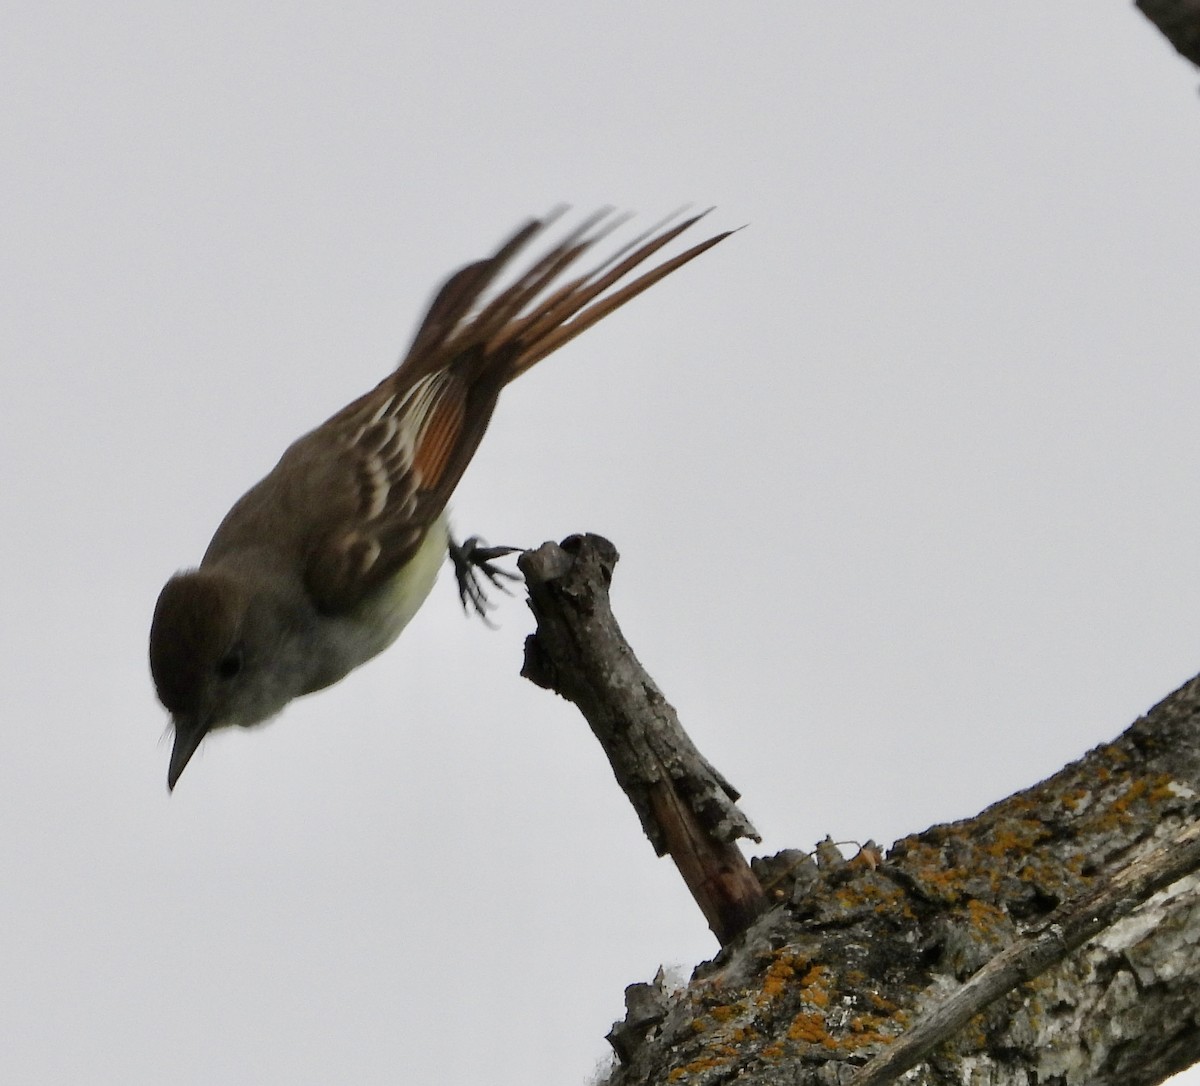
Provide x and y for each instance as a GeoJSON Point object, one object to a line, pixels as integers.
{"type": "Point", "coordinates": [195, 626]}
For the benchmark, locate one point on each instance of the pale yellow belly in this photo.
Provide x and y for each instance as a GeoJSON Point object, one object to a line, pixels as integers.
{"type": "Point", "coordinates": [393, 608]}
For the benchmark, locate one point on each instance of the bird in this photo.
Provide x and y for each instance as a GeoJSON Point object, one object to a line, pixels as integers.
{"type": "Point", "coordinates": [321, 564]}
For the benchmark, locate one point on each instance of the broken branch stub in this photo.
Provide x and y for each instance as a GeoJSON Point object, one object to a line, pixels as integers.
{"type": "Point", "coordinates": [687, 808]}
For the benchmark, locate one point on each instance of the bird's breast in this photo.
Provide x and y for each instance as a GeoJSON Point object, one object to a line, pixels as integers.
{"type": "Point", "coordinates": [377, 621]}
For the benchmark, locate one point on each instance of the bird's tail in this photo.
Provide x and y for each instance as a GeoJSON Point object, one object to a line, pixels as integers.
{"type": "Point", "coordinates": [532, 317]}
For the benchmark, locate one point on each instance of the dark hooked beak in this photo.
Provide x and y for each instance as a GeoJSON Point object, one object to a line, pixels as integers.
{"type": "Point", "coordinates": [188, 734]}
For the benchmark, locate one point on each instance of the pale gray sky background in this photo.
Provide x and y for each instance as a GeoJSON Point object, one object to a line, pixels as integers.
{"type": "Point", "coordinates": [905, 477]}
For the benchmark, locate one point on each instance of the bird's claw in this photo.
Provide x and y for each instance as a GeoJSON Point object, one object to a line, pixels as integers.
{"type": "Point", "coordinates": [471, 559]}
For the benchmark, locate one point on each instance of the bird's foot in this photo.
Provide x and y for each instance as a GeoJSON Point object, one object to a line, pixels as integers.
{"type": "Point", "coordinates": [471, 559]}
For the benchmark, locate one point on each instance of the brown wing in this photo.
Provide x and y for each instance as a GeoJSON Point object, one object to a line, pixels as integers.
{"type": "Point", "coordinates": [406, 443]}
{"type": "Point", "coordinates": [397, 467]}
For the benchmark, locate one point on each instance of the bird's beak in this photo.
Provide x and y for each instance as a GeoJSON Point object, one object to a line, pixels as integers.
{"type": "Point", "coordinates": [188, 734]}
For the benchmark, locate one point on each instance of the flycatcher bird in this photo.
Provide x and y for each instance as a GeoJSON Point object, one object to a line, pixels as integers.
{"type": "Point", "coordinates": [319, 566]}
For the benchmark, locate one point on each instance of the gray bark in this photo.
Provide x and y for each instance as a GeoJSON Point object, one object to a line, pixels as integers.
{"type": "Point", "coordinates": [687, 809]}
{"type": "Point", "coordinates": [858, 952]}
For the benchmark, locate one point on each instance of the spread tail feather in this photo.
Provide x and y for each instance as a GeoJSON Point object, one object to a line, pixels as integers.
{"type": "Point", "coordinates": [523, 323]}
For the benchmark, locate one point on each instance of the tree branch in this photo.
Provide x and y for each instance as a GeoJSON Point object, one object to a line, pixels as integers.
{"type": "Point", "coordinates": [686, 807]}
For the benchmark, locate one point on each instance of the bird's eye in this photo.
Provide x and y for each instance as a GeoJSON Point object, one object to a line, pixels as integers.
{"type": "Point", "coordinates": [230, 664]}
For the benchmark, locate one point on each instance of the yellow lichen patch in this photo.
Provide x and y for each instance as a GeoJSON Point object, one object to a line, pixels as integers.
{"type": "Point", "coordinates": [857, 894]}
{"type": "Point", "coordinates": [723, 1013]}
{"type": "Point", "coordinates": [780, 972]}
{"type": "Point", "coordinates": [865, 1030]}
{"type": "Point", "coordinates": [1162, 788]}
{"type": "Point", "coordinates": [880, 1003]}
{"type": "Point", "coordinates": [1016, 835]}
{"type": "Point", "coordinates": [816, 974]}
{"type": "Point", "coordinates": [1072, 799]}
{"type": "Point", "coordinates": [985, 917]}
{"type": "Point", "coordinates": [815, 986]}
{"type": "Point", "coordinates": [773, 1051]}
{"type": "Point", "coordinates": [947, 881]}
{"type": "Point", "coordinates": [809, 1027]}
{"type": "Point", "coordinates": [1137, 788]}
{"type": "Point", "coordinates": [1115, 754]}
{"type": "Point", "coordinates": [818, 996]}
{"type": "Point", "coordinates": [704, 1063]}
{"type": "Point", "coordinates": [974, 1032]}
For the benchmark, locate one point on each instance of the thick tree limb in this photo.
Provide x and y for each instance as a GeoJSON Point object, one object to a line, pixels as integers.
{"type": "Point", "coordinates": [1031, 956]}
{"type": "Point", "coordinates": [686, 807]}
{"type": "Point", "coordinates": [858, 951]}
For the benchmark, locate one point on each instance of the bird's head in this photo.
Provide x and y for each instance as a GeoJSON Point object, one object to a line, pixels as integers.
{"type": "Point", "coordinates": [214, 644]}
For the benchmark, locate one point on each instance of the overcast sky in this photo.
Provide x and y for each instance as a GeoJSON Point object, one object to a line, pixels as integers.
{"type": "Point", "coordinates": [904, 477]}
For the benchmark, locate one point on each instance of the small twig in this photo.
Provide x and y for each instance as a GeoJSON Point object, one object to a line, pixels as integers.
{"type": "Point", "coordinates": [687, 809]}
{"type": "Point", "coordinates": [1069, 928]}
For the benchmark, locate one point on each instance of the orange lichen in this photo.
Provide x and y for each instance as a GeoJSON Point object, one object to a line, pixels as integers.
{"type": "Point", "coordinates": [866, 1031]}
{"type": "Point", "coordinates": [815, 986]}
{"type": "Point", "coordinates": [1015, 835]}
{"type": "Point", "coordinates": [809, 1027]}
{"type": "Point", "coordinates": [780, 971]}
{"type": "Point", "coordinates": [984, 916]}
{"type": "Point", "coordinates": [815, 975]}
{"type": "Point", "coordinates": [1072, 799]}
{"type": "Point", "coordinates": [880, 1003]}
{"type": "Point", "coordinates": [1162, 788]}
{"type": "Point", "coordinates": [948, 881]}
{"type": "Point", "coordinates": [1137, 788]}
{"type": "Point", "coordinates": [860, 893]}
{"type": "Point", "coordinates": [817, 996]}
{"type": "Point", "coordinates": [1115, 754]}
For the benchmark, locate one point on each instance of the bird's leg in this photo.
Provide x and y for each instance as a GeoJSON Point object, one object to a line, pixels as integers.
{"type": "Point", "coordinates": [470, 560]}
